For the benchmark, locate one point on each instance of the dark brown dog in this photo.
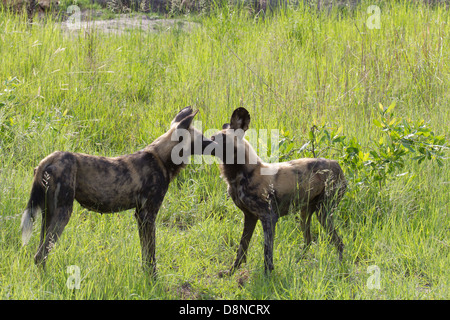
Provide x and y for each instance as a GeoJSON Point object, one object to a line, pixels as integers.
{"type": "Point", "coordinates": [266, 191]}
{"type": "Point", "coordinates": [139, 180]}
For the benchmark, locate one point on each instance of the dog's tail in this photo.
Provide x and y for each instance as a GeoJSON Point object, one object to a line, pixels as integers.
{"type": "Point", "coordinates": [35, 205]}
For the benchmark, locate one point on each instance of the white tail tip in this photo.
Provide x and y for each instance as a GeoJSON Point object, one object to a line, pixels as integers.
{"type": "Point", "coordinates": [27, 226]}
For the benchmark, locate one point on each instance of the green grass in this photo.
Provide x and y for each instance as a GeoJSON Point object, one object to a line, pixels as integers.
{"type": "Point", "coordinates": [113, 94]}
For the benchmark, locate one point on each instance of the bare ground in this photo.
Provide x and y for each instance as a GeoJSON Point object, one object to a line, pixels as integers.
{"type": "Point", "coordinates": [124, 23]}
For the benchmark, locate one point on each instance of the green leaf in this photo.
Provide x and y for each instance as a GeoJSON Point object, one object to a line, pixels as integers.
{"type": "Point", "coordinates": [338, 139]}
{"type": "Point", "coordinates": [374, 154]}
{"type": "Point", "coordinates": [327, 135]}
{"type": "Point", "coordinates": [407, 145]}
{"type": "Point", "coordinates": [394, 135]}
{"type": "Point", "coordinates": [289, 148]}
{"type": "Point", "coordinates": [423, 129]}
{"type": "Point", "coordinates": [377, 123]}
{"type": "Point", "coordinates": [393, 121]}
{"type": "Point", "coordinates": [391, 107]}
{"type": "Point", "coordinates": [439, 140]}
{"type": "Point", "coordinates": [352, 150]}
{"type": "Point", "coordinates": [366, 156]}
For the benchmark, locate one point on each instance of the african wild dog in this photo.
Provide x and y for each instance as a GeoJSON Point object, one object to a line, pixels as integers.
{"type": "Point", "coordinates": [266, 191]}
{"type": "Point", "coordinates": [139, 180]}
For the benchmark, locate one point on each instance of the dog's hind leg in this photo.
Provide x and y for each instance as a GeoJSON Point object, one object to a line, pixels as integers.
{"type": "Point", "coordinates": [60, 194]}
{"type": "Point", "coordinates": [325, 214]}
{"type": "Point", "coordinates": [52, 230]}
{"type": "Point", "coordinates": [268, 222]}
{"type": "Point", "coordinates": [305, 225]}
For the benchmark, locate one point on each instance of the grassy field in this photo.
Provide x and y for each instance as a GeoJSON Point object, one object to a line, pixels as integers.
{"type": "Point", "coordinates": [106, 94]}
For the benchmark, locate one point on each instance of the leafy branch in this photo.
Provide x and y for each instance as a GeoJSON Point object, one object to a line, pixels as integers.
{"type": "Point", "coordinates": [401, 139]}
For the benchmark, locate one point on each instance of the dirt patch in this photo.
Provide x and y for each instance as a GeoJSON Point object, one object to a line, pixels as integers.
{"type": "Point", "coordinates": [123, 23]}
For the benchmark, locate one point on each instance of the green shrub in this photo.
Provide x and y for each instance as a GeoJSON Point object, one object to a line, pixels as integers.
{"type": "Point", "coordinates": [401, 140]}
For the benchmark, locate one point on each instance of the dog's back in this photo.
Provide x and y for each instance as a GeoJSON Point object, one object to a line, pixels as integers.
{"type": "Point", "coordinates": [298, 182]}
{"type": "Point", "coordinates": [301, 181]}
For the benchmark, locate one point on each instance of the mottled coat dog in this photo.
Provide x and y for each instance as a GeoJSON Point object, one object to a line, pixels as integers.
{"type": "Point", "coordinates": [139, 180]}
{"type": "Point", "coordinates": [266, 191]}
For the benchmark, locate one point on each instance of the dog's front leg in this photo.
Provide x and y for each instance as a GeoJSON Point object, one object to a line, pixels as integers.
{"type": "Point", "coordinates": [249, 226]}
{"type": "Point", "coordinates": [268, 220]}
{"type": "Point", "coordinates": [241, 257]}
{"type": "Point", "coordinates": [146, 218]}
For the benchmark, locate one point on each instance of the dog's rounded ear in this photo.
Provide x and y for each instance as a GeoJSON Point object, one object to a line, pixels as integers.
{"type": "Point", "coordinates": [186, 122]}
{"type": "Point", "coordinates": [240, 119]}
{"type": "Point", "coordinates": [182, 114]}
{"type": "Point", "coordinates": [226, 126]}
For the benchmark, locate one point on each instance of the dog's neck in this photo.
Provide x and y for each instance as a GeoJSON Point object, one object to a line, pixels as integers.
{"type": "Point", "coordinates": [231, 171]}
{"type": "Point", "coordinates": [162, 147]}
{"type": "Point", "coordinates": [252, 163]}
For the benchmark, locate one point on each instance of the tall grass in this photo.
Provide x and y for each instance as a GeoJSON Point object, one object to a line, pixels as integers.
{"type": "Point", "coordinates": [108, 94]}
